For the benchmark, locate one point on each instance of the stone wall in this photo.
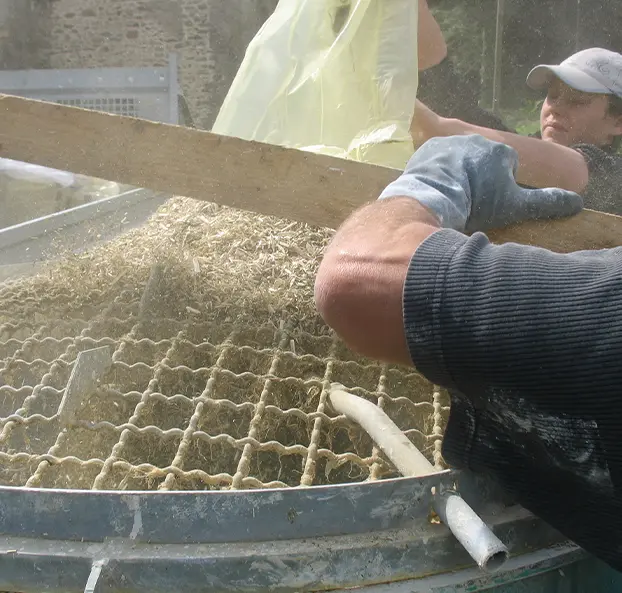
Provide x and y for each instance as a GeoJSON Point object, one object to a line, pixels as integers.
{"type": "Point", "coordinates": [209, 36]}
{"type": "Point", "coordinates": [23, 34]}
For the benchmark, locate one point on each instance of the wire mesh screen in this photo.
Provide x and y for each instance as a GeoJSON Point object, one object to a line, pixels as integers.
{"type": "Point", "coordinates": [192, 399]}
{"type": "Point", "coordinates": [118, 105]}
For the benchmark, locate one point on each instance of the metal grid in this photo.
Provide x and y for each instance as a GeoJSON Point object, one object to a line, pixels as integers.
{"type": "Point", "coordinates": [146, 92]}
{"type": "Point", "coordinates": [190, 404]}
{"type": "Point", "coordinates": [118, 105]}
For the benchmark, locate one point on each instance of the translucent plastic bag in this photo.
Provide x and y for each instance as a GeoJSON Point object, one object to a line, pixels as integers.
{"type": "Point", "coordinates": [332, 76]}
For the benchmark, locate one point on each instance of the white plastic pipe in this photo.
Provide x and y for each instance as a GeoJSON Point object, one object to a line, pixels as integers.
{"type": "Point", "coordinates": [397, 446]}
{"type": "Point", "coordinates": [488, 551]}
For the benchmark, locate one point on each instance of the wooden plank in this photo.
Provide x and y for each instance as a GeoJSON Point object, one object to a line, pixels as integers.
{"type": "Point", "coordinates": [317, 189]}
{"type": "Point", "coordinates": [587, 230]}
{"type": "Point", "coordinates": [303, 186]}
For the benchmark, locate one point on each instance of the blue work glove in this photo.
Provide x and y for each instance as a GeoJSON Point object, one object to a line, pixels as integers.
{"type": "Point", "coordinates": [468, 182]}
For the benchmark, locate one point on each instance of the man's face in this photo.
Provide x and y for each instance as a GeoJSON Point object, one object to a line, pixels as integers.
{"type": "Point", "coordinates": [572, 117]}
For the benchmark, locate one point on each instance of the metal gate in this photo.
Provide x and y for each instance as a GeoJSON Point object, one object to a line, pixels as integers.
{"type": "Point", "coordinates": [148, 93]}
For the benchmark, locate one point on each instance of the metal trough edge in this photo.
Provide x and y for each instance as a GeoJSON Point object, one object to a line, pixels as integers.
{"type": "Point", "coordinates": [31, 229]}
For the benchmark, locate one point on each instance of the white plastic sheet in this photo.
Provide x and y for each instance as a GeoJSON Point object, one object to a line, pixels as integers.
{"type": "Point", "coordinates": [35, 173]}
{"type": "Point", "coordinates": [332, 76]}
{"type": "Point", "coordinates": [29, 191]}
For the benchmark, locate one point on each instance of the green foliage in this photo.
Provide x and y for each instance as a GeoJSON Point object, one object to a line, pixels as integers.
{"type": "Point", "coordinates": [526, 119]}
{"type": "Point", "coordinates": [462, 29]}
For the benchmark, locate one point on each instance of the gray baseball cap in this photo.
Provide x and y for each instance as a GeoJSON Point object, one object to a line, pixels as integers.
{"type": "Point", "coordinates": [593, 70]}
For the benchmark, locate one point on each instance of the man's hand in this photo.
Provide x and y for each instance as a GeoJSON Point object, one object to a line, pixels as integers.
{"type": "Point", "coordinates": [468, 183]}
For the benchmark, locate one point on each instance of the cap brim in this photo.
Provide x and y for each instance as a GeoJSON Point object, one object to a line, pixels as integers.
{"type": "Point", "coordinates": [540, 78]}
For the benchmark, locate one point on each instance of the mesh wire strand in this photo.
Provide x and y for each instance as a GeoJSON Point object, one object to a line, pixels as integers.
{"type": "Point", "coordinates": [118, 105]}
{"type": "Point", "coordinates": [192, 404]}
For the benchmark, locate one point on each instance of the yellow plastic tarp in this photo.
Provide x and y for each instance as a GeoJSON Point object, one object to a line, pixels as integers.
{"type": "Point", "coordinates": [330, 76]}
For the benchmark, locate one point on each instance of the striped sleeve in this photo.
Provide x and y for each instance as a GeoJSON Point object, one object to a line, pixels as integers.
{"type": "Point", "coordinates": [510, 315]}
{"type": "Point", "coordinates": [529, 344]}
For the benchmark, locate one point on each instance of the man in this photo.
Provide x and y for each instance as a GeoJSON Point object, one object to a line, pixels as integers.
{"type": "Point", "coordinates": [581, 126]}
{"type": "Point", "coordinates": [528, 342]}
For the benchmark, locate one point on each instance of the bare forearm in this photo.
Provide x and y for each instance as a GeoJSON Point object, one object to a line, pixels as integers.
{"type": "Point", "coordinates": [358, 289]}
{"type": "Point", "coordinates": [541, 164]}
{"type": "Point", "coordinates": [432, 48]}
{"type": "Point", "coordinates": [383, 221]}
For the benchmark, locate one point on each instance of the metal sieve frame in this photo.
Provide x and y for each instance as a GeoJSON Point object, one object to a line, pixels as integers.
{"type": "Point", "coordinates": [302, 539]}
